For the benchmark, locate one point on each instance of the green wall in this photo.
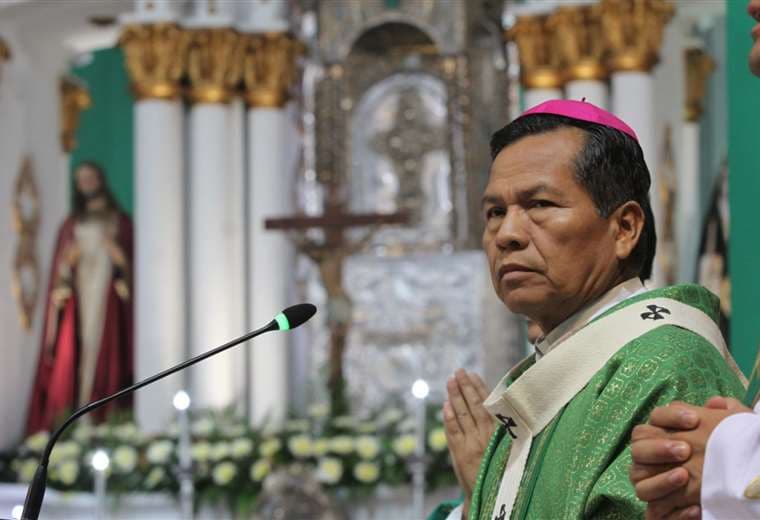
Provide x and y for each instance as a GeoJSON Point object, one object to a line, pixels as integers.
{"type": "Point", "coordinates": [105, 129]}
{"type": "Point", "coordinates": [744, 186]}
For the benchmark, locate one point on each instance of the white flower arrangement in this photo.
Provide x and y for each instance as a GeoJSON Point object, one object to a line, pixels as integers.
{"type": "Point", "coordinates": [319, 410]}
{"type": "Point", "coordinates": [124, 459]}
{"type": "Point", "coordinates": [300, 446]}
{"type": "Point", "coordinates": [297, 425]}
{"type": "Point", "coordinates": [437, 439]}
{"type": "Point", "coordinates": [329, 470]}
{"type": "Point", "coordinates": [367, 446]}
{"type": "Point", "coordinates": [342, 445]}
{"type": "Point", "coordinates": [269, 447]}
{"type": "Point", "coordinates": [366, 472]}
{"type": "Point", "coordinates": [203, 427]}
{"type": "Point", "coordinates": [223, 473]}
{"type": "Point", "coordinates": [220, 450]}
{"type": "Point", "coordinates": [320, 447]}
{"type": "Point", "coordinates": [159, 452]}
{"type": "Point", "coordinates": [241, 448]}
{"type": "Point", "coordinates": [155, 477]}
{"type": "Point", "coordinates": [344, 421]}
{"type": "Point", "coordinates": [65, 450]}
{"type": "Point", "coordinates": [26, 469]}
{"type": "Point", "coordinates": [67, 471]}
{"type": "Point", "coordinates": [38, 441]}
{"type": "Point", "coordinates": [260, 469]}
{"type": "Point", "coordinates": [126, 432]}
{"type": "Point", "coordinates": [404, 445]}
{"type": "Point", "coordinates": [201, 451]}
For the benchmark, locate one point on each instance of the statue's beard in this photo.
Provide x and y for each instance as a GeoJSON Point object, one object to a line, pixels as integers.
{"type": "Point", "coordinates": [92, 195]}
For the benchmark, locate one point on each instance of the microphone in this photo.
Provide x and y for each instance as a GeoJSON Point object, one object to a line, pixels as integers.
{"type": "Point", "coordinates": [288, 319]}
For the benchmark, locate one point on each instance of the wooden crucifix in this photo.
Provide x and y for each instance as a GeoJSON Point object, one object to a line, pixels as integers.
{"type": "Point", "coordinates": [329, 255]}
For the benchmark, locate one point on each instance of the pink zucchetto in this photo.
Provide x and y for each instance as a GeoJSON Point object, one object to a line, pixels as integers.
{"type": "Point", "coordinates": [582, 111]}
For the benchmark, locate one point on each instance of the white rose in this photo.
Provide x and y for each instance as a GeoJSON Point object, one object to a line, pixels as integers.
{"type": "Point", "coordinates": [391, 415]}
{"type": "Point", "coordinates": [38, 441]}
{"type": "Point", "coordinates": [269, 447]}
{"type": "Point", "coordinates": [159, 452]}
{"type": "Point", "coordinates": [233, 430]}
{"type": "Point", "coordinates": [404, 445]}
{"type": "Point", "coordinates": [203, 427]}
{"type": "Point", "coordinates": [408, 425]}
{"type": "Point", "coordinates": [155, 477]}
{"type": "Point", "coordinates": [83, 433]}
{"type": "Point", "coordinates": [329, 470]}
{"type": "Point", "coordinates": [366, 472]}
{"type": "Point", "coordinates": [201, 451]}
{"type": "Point", "coordinates": [219, 451]}
{"type": "Point", "coordinates": [300, 425]}
{"type": "Point", "coordinates": [126, 432]}
{"type": "Point", "coordinates": [319, 447]}
{"type": "Point", "coordinates": [319, 410]}
{"type": "Point", "coordinates": [260, 469]}
{"type": "Point", "coordinates": [68, 471]}
{"type": "Point", "coordinates": [344, 421]}
{"type": "Point", "coordinates": [367, 446]}
{"type": "Point", "coordinates": [300, 446]}
{"type": "Point", "coordinates": [367, 427]}
{"type": "Point", "coordinates": [26, 470]}
{"type": "Point", "coordinates": [124, 459]}
{"type": "Point", "coordinates": [342, 444]}
{"type": "Point", "coordinates": [102, 430]}
{"type": "Point", "coordinates": [241, 448]}
{"type": "Point", "coordinates": [223, 473]}
{"type": "Point", "coordinates": [65, 450]}
{"type": "Point", "coordinates": [437, 439]}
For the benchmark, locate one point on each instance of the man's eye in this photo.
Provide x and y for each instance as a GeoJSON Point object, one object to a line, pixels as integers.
{"type": "Point", "coordinates": [494, 213]}
{"type": "Point", "coordinates": [541, 203]}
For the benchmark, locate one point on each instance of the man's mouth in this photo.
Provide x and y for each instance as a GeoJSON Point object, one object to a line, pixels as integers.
{"type": "Point", "coordinates": [513, 270]}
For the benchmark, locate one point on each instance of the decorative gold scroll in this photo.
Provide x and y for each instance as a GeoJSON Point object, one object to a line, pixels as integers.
{"type": "Point", "coordinates": [155, 56]}
{"type": "Point", "coordinates": [699, 66]}
{"type": "Point", "coordinates": [578, 41]}
{"type": "Point", "coordinates": [269, 68]}
{"type": "Point", "coordinates": [633, 31]}
{"type": "Point", "coordinates": [74, 99]}
{"type": "Point", "coordinates": [213, 69]}
{"type": "Point", "coordinates": [25, 281]}
{"type": "Point", "coordinates": [540, 64]}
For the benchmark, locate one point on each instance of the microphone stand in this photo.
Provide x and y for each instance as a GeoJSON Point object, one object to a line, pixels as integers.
{"type": "Point", "coordinates": [36, 492]}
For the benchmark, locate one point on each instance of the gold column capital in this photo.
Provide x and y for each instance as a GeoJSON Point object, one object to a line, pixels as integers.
{"type": "Point", "coordinates": [74, 99]}
{"type": "Point", "coordinates": [213, 68]}
{"type": "Point", "coordinates": [699, 66]}
{"type": "Point", "coordinates": [155, 57]}
{"type": "Point", "coordinates": [540, 65]}
{"type": "Point", "coordinates": [579, 42]}
{"type": "Point", "coordinates": [633, 32]}
{"type": "Point", "coordinates": [269, 68]}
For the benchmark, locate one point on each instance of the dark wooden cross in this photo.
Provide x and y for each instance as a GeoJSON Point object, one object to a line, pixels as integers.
{"type": "Point", "coordinates": [329, 254]}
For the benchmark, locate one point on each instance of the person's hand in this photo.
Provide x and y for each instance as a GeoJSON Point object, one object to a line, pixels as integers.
{"type": "Point", "coordinates": [71, 255]}
{"type": "Point", "coordinates": [468, 427]}
{"type": "Point", "coordinates": [668, 456]}
{"type": "Point", "coordinates": [116, 253]}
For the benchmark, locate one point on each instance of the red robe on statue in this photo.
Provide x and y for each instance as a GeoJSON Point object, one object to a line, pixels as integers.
{"type": "Point", "coordinates": [56, 387]}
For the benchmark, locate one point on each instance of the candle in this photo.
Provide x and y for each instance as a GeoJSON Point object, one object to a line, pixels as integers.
{"type": "Point", "coordinates": [420, 391]}
{"type": "Point", "coordinates": [100, 463]}
{"type": "Point", "coordinates": [186, 488]}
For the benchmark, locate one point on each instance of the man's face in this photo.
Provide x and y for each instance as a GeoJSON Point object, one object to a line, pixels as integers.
{"type": "Point", "coordinates": [754, 55]}
{"type": "Point", "coordinates": [549, 250]}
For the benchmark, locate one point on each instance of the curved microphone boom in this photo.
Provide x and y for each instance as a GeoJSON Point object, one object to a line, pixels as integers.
{"type": "Point", "coordinates": [288, 319]}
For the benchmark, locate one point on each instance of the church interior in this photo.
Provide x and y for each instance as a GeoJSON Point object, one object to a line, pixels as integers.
{"type": "Point", "coordinates": [175, 173]}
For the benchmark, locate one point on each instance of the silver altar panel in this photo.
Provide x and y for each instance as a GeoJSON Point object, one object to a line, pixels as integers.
{"type": "Point", "coordinates": [416, 316]}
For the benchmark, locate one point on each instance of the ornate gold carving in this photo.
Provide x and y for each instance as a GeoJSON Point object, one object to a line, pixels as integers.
{"type": "Point", "coordinates": [633, 32]}
{"type": "Point", "coordinates": [213, 64]}
{"type": "Point", "coordinates": [155, 56]}
{"type": "Point", "coordinates": [74, 99]}
{"type": "Point", "coordinates": [269, 68]}
{"type": "Point", "coordinates": [577, 30]}
{"type": "Point", "coordinates": [540, 65]}
{"type": "Point", "coordinates": [699, 66]}
{"type": "Point", "coordinates": [25, 282]}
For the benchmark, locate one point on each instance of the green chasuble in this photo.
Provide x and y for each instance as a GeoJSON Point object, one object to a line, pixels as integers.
{"type": "Point", "coordinates": [578, 465]}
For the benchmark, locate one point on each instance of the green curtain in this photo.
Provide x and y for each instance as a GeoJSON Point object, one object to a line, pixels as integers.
{"type": "Point", "coordinates": [744, 186]}
{"type": "Point", "coordinates": [105, 133]}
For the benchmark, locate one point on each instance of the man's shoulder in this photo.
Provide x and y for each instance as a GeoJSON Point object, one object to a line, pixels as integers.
{"type": "Point", "coordinates": [690, 294]}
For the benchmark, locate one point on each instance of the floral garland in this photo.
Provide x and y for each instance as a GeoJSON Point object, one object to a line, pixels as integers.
{"type": "Point", "coordinates": [349, 456]}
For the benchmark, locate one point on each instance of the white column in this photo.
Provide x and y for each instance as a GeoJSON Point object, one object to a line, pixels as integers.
{"type": "Point", "coordinates": [633, 102]}
{"type": "Point", "coordinates": [536, 96]}
{"type": "Point", "coordinates": [211, 245]}
{"type": "Point", "coordinates": [271, 261]}
{"type": "Point", "coordinates": [689, 193]}
{"type": "Point", "coordinates": [595, 91]}
{"type": "Point", "coordinates": [159, 256]}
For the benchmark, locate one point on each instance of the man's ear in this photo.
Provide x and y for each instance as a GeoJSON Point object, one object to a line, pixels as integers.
{"type": "Point", "coordinates": [629, 224]}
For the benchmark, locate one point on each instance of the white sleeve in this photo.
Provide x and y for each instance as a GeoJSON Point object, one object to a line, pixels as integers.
{"type": "Point", "coordinates": [456, 513]}
{"type": "Point", "coordinates": [732, 461]}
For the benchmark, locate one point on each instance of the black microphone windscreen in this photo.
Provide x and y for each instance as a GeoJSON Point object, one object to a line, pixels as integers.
{"type": "Point", "coordinates": [296, 315]}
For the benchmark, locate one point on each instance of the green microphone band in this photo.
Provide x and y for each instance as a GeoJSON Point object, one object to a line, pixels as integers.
{"type": "Point", "coordinates": [282, 322]}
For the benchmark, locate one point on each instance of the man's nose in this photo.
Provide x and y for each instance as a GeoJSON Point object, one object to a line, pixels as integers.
{"type": "Point", "coordinates": [512, 234]}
